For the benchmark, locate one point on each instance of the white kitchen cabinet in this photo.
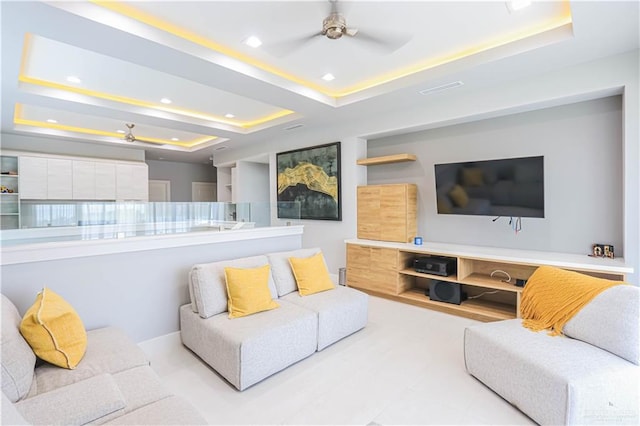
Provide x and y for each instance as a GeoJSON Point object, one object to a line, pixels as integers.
{"type": "Point", "coordinates": [84, 180]}
{"type": "Point", "coordinates": [33, 178]}
{"type": "Point", "coordinates": [105, 181]}
{"type": "Point", "coordinates": [59, 179]}
{"type": "Point", "coordinates": [132, 182]}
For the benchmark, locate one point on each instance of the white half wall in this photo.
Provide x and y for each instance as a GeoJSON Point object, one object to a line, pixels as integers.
{"type": "Point", "coordinates": [139, 292]}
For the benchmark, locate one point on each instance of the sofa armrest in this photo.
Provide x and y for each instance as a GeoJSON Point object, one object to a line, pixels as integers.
{"type": "Point", "coordinates": [79, 403]}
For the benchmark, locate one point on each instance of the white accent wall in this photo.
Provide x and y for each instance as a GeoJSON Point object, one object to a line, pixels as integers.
{"type": "Point", "coordinates": [583, 176]}
{"type": "Point", "coordinates": [329, 235]}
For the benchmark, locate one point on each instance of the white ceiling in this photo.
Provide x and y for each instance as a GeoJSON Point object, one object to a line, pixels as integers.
{"type": "Point", "coordinates": [130, 55]}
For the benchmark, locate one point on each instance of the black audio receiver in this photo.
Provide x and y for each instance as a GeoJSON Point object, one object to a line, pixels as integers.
{"type": "Point", "coordinates": [443, 266]}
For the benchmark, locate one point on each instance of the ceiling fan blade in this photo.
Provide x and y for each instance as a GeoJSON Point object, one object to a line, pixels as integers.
{"type": "Point", "coordinates": [351, 32]}
{"type": "Point", "coordinates": [287, 47]}
{"type": "Point", "coordinates": [388, 43]}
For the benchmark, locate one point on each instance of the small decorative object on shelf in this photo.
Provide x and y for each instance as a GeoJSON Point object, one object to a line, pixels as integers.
{"type": "Point", "coordinates": [602, 250]}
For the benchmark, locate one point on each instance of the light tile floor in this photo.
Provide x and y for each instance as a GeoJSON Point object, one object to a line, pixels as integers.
{"type": "Point", "coordinates": [405, 367]}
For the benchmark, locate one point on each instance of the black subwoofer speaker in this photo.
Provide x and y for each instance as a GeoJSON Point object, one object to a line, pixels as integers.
{"type": "Point", "coordinates": [443, 291]}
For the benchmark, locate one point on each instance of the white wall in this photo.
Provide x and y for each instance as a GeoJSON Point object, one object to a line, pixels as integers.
{"type": "Point", "coordinates": [181, 176]}
{"type": "Point", "coordinates": [251, 185]}
{"type": "Point", "coordinates": [252, 182]}
{"type": "Point", "coordinates": [329, 235]}
{"type": "Point", "coordinates": [582, 148]}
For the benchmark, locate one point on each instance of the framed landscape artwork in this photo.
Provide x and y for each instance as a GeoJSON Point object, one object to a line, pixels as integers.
{"type": "Point", "coordinates": [309, 183]}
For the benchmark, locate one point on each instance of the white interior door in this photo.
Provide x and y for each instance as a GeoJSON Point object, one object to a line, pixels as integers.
{"type": "Point", "coordinates": [159, 190]}
{"type": "Point", "coordinates": [203, 191]}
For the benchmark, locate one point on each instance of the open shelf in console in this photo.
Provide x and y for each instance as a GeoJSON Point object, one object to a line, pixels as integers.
{"type": "Point", "coordinates": [499, 299]}
{"type": "Point", "coordinates": [484, 310]}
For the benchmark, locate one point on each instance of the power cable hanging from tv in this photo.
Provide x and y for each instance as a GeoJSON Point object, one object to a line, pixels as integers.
{"type": "Point", "coordinates": [516, 224]}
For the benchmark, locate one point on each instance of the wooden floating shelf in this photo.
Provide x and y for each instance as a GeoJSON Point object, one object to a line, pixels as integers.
{"type": "Point", "coordinates": [397, 158]}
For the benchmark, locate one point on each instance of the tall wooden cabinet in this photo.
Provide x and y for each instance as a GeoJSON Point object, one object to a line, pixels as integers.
{"type": "Point", "coordinates": [387, 212]}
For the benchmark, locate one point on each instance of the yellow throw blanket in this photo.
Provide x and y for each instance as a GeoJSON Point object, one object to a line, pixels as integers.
{"type": "Point", "coordinates": [553, 296]}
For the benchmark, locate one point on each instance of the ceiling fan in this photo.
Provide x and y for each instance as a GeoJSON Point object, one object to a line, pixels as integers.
{"type": "Point", "coordinates": [334, 27]}
{"type": "Point", "coordinates": [130, 137]}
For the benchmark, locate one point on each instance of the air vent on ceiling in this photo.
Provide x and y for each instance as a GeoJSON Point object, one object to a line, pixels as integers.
{"type": "Point", "coordinates": [441, 88]}
{"type": "Point", "coordinates": [295, 126]}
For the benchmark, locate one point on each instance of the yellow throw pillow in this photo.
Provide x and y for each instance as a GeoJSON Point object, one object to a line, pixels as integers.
{"type": "Point", "coordinates": [54, 330]}
{"type": "Point", "coordinates": [248, 291]}
{"type": "Point", "coordinates": [311, 274]}
{"type": "Point", "coordinates": [472, 176]}
{"type": "Point", "coordinates": [459, 196]}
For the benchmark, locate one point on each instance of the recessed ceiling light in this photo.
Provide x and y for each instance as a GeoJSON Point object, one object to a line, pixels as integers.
{"type": "Point", "coordinates": [253, 41]}
{"type": "Point", "coordinates": [51, 120]}
{"type": "Point", "coordinates": [175, 139]}
{"type": "Point", "coordinates": [515, 5]}
{"type": "Point", "coordinates": [328, 77]}
{"type": "Point", "coordinates": [229, 115]}
{"type": "Point", "coordinates": [160, 158]}
{"type": "Point", "coordinates": [165, 100]}
{"type": "Point", "coordinates": [74, 79]}
{"type": "Point", "coordinates": [120, 131]}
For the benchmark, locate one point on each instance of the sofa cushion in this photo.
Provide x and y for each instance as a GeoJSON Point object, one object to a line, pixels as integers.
{"type": "Point", "coordinates": [54, 330]}
{"type": "Point", "coordinates": [140, 386]}
{"type": "Point", "coordinates": [167, 411]}
{"type": "Point", "coordinates": [596, 323]}
{"type": "Point", "coordinates": [281, 268]}
{"type": "Point", "coordinates": [552, 379]}
{"type": "Point", "coordinates": [77, 404]}
{"type": "Point", "coordinates": [9, 415]}
{"type": "Point", "coordinates": [248, 291]}
{"type": "Point", "coordinates": [249, 349]}
{"type": "Point", "coordinates": [18, 359]}
{"type": "Point", "coordinates": [341, 312]}
{"type": "Point", "coordinates": [311, 274]}
{"type": "Point", "coordinates": [109, 350]}
{"type": "Point", "coordinates": [209, 286]}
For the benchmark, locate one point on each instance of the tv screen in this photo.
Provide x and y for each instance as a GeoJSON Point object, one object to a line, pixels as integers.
{"type": "Point", "coordinates": [505, 187]}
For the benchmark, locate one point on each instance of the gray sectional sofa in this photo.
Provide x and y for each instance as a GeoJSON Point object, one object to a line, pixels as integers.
{"type": "Point", "coordinates": [591, 375]}
{"type": "Point", "coordinates": [113, 384]}
{"type": "Point", "coordinates": [249, 349]}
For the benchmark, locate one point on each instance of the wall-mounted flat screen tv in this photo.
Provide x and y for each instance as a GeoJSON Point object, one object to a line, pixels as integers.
{"type": "Point", "coordinates": [505, 187]}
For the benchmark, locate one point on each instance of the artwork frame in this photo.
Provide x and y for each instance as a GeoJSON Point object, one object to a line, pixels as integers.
{"type": "Point", "coordinates": [318, 166]}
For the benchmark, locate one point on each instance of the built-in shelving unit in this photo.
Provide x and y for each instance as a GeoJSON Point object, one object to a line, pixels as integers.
{"type": "Point", "coordinates": [10, 198]}
{"type": "Point", "coordinates": [385, 269]}
{"type": "Point", "coordinates": [396, 158]}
